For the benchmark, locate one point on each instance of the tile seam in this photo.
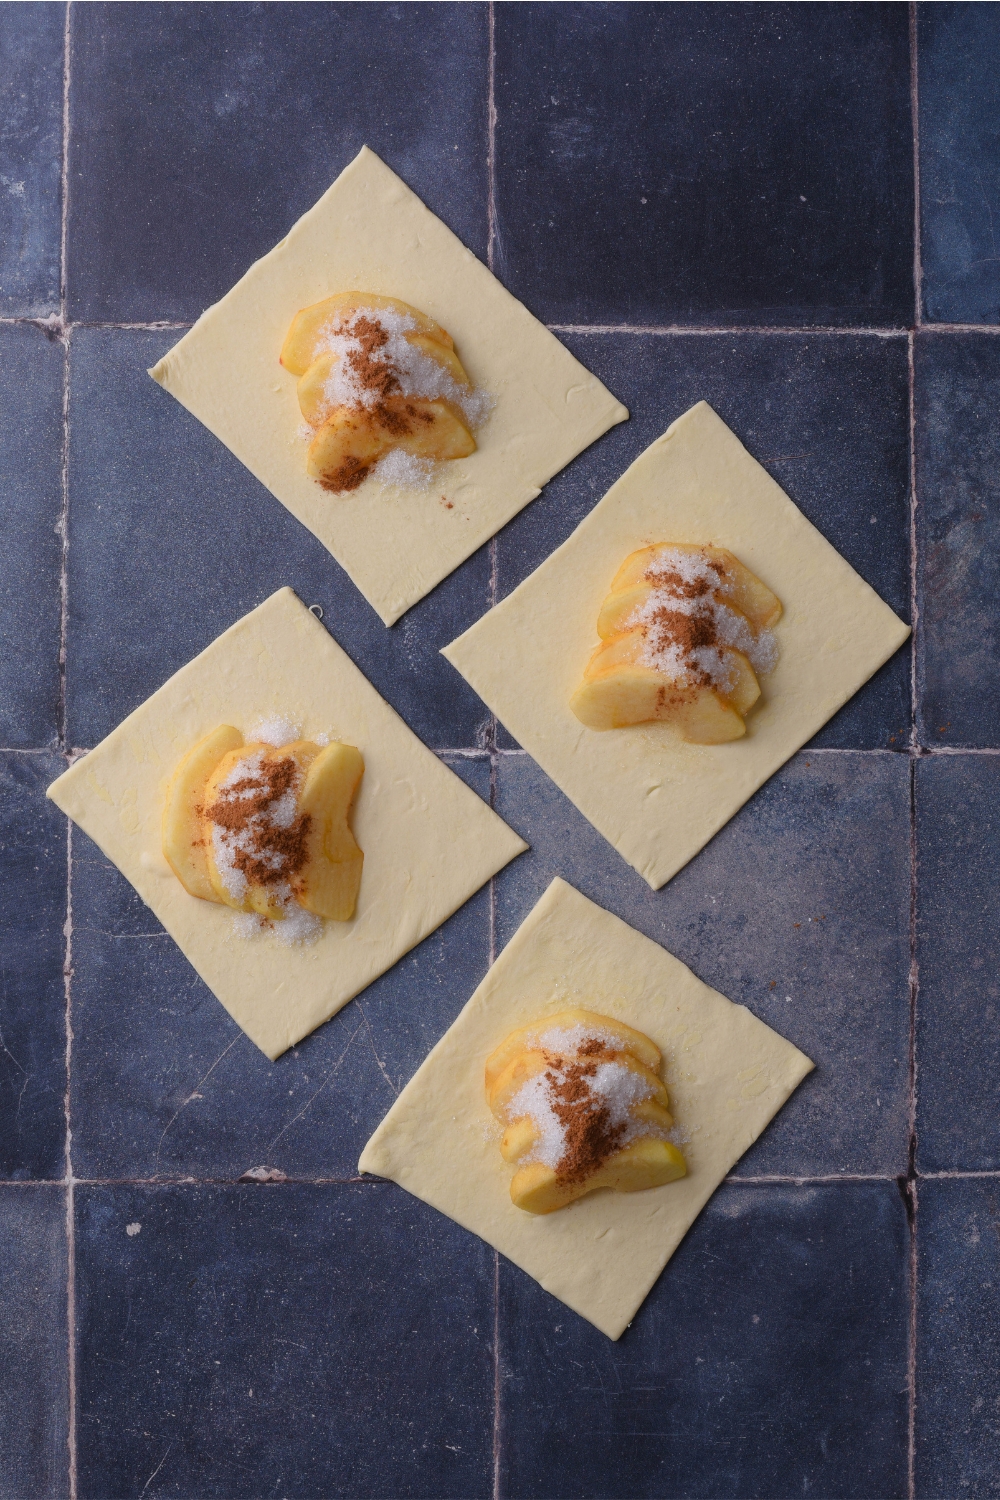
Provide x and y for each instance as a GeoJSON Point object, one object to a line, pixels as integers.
{"type": "Point", "coordinates": [158, 325]}
{"type": "Point", "coordinates": [918, 269]}
{"type": "Point", "coordinates": [668, 330]}
{"type": "Point", "coordinates": [911, 1185]}
{"type": "Point", "coordinates": [491, 722]}
{"type": "Point", "coordinates": [776, 1179]}
{"type": "Point", "coordinates": [485, 752]}
{"type": "Point", "coordinates": [63, 334]}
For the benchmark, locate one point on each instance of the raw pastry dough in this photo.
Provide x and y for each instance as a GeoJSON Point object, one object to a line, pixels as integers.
{"type": "Point", "coordinates": [370, 233]}
{"type": "Point", "coordinates": [429, 841]}
{"type": "Point", "coordinates": [656, 798]}
{"type": "Point", "coordinates": [727, 1073]}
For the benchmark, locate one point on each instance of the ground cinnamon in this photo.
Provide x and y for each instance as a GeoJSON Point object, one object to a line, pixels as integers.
{"type": "Point", "coordinates": [589, 1132]}
{"type": "Point", "coordinates": [265, 851]}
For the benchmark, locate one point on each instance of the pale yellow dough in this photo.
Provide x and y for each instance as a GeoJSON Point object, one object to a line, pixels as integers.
{"type": "Point", "coordinates": [657, 799]}
{"type": "Point", "coordinates": [370, 233]}
{"type": "Point", "coordinates": [727, 1074]}
{"type": "Point", "coordinates": [429, 842]}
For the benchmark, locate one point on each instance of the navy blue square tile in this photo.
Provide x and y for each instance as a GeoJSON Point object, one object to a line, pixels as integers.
{"type": "Point", "coordinates": [958, 1339]}
{"type": "Point", "coordinates": [769, 1360]}
{"type": "Point", "coordinates": [705, 164]}
{"type": "Point", "coordinates": [167, 1084]}
{"type": "Point", "coordinates": [958, 1098]}
{"type": "Point", "coordinates": [31, 66]}
{"type": "Point", "coordinates": [172, 540]}
{"type": "Point", "coordinates": [958, 538]}
{"type": "Point", "coordinates": [34, 1456]}
{"type": "Point", "coordinates": [200, 133]}
{"type": "Point", "coordinates": [958, 50]}
{"type": "Point", "coordinates": [32, 945]}
{"type": "Point", "coordinates": [31, 386]}
{"type": "Point", "coordinates": [285, 1340]}
{"type": "Point", "coordinates": [826, 416]}
{"type": "Point", "coordinates": [798, 909]}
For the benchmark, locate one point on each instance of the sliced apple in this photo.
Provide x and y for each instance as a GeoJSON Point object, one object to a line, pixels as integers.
{"type": "Point", "coordinates": [299, 348]}
{"type": "Point", "coordinates": [330, 881]}
{"type": "Point", "coordinates": [350, 443]}
{"type": "Point", "coordinates": [314, 403]}
{"type": "Point", "coordinates": [184, 846]}
{"type": "Point", "coordinates": [518, 1138]}
{"type": "Point", "coordinates": [526, 1038]}
{"type": "Point", "coordinates": [619, 690]}
{"type": "Point", "coordinates": [644, 1164]}
{"type": "Point", "coordinates": [257, 898]}
{"type": "Point", "coordinates": [745, 593]}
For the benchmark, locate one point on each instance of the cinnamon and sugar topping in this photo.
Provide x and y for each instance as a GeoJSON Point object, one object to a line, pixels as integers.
{"type": "Point", "coordinates": [687, 624]}
{"type": "Point", "coordinates": [259, 837]}
{"type": "Point", "coordinates": [582, 1103]}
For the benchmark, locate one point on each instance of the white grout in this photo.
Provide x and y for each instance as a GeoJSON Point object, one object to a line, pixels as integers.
{"type": "Point", "coordinates": [706, 331]}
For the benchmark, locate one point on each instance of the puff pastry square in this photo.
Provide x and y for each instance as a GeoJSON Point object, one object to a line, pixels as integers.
{"type": "Point", "coordinates": [370, 233]}
{"type": "Point", "coordinates": [657, 799]}
{"type": "Point", "coordinates": [727, 1073]}
{"type": "Point", "coordinates": [429, 842]}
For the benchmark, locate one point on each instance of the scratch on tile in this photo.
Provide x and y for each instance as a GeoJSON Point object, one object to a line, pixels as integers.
{"type": "Point", "coordinates": [194, 1094]}
{"type": "Point", "coordinates": [156, 1471]}
{"type": "Point", "coordinates": [371, 1039]}
{"type": "Point", "coordinates": [309, 1102]}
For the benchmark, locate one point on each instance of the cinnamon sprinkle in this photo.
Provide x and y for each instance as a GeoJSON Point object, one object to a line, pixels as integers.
{"type": "Point", "coordinates": [263, 838]}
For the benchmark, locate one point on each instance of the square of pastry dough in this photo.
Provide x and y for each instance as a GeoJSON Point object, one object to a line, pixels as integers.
{"type": "Point", "coordinates": [726, 1072]}
{"type": "Point", "coordinates": [429, 842]}
{"type": "Point", "coordinates": [655, 797]}
{"type": "Point", "coordinates": [370, 233]}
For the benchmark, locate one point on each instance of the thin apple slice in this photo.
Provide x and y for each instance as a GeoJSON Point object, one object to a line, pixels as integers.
{"type": "Point", "coordinates": [525, 1037]}
{"type": "Point", "coordinates": [299, 348]}
{"type": "Point", "coordinates": [184, 845]}
{"type": "Point", "coordinates": [745, 592]}
{"type": "Point", "coordinates": [643, 1164]}
{"type": "Point", "coordinates": [350, 443]}
{"type": "Point", "coordinates": [314, 404]}
{"type": "Point", "coordinates": [518, 1138]}
{"type": "Point", "coordinates": [330, 882]}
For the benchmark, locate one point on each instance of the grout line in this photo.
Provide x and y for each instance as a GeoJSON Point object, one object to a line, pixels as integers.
{"type": "Point", "coordinates": [958, 327]}
{"type": "Point", "coordinates": [372, 1180]}
{"type": "Point", "coordinates": [491, 130]}
{"type": "Point", "coordinates": [910, 1187]}
{"type": "Point", "coordinates": [677, 330]}
{"type": "Point", "coordinates": [807, 1181]}
{"type": "Point", "coordinates": [496, 1375]}
{"type": "Point", "coordinates": [918, 269]}
{"type": "Point", "coordinates": [491, 723]}
{"type": "Point", "coordinates": [71, 1453]}
{"type": "Point", "coordinates": [700, 331]}
{"type": "Point", "coordinates": [914, 595]}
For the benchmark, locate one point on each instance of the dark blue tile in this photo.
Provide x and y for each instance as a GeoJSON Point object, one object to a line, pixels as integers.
{"type": "Point", "coordinates": [958, 1339]}
{"type": "Point", "coordinates": [200, 133]}
{"type": "Point", "coordinates": [958, 53]}
{"type": "Point", "coordinates": [958, 538]}
{"type": "Point", "coordinates": [32, 944]}
{"type": "Point", "coordinates": [705, 164]}
{"type": "Point", "coordinates": [798, 909]}
{"type": "Point", "coordinates": [958, 1099]}
{"type": "Point", "coordinates": [826, 416]}
{"type": "Point", "coordinates": [307, 1341]}
{"type": "Point", "coordinates": [168, 1085]}
{"type": "Point", "coordinates": [31, 384]}
{"type": "Point", "coordinates": [34, 1457]}
{"type": "Point", "coordinates": [172, 540]}
{"type": "Point", "coordinates": [31, 66]}
{"type": "Point", "coordinates": [768, 1361]}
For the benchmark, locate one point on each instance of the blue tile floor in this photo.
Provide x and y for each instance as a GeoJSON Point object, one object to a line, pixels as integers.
{"type": "Point", "coordinates": [730, 202]}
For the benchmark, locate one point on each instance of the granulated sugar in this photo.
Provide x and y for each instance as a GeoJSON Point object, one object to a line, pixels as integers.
{"type": "Point", "coordinates": [406, 370]}
{"type": "Point", "coordinates": [275, 730]}
{"type": "Point", "coordinates": [582, 1103]}
{"type": "Point", "coordinates": [404, 470]}
{"type": "Point", "coordinates": [687, 625]}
